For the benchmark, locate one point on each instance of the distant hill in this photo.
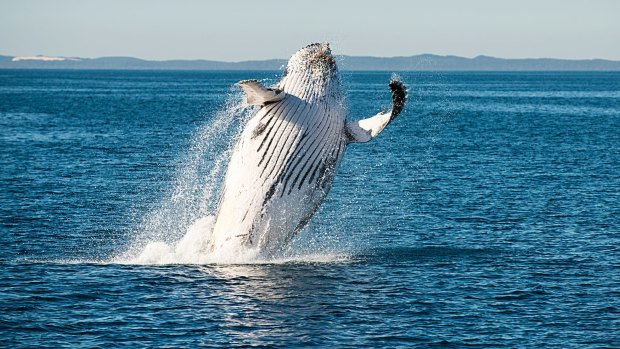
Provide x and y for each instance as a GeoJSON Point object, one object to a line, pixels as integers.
{"type": "Point", "coordinates": [428, 62]}
{"type": "Point", "coordinates": [425, 62]}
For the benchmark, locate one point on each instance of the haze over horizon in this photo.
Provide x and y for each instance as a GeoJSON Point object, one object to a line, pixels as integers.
{"type": "Point", "coordinates": [244, 30]}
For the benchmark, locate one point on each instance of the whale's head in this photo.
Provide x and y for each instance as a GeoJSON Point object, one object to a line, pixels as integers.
{"type": "Point", "coordinates": [311, 73]}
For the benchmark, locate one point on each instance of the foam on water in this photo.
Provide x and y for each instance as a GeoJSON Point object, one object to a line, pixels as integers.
{"type": "Point", "coordinates": [191, 250]}
{"type": "Point", "coordinates": [188, 250]}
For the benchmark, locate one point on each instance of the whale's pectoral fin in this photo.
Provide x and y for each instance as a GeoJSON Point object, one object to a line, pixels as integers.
{"type": "Point", "coordinates": [364, 130]}
{"type": "Point", "coordinates": [258, 94]}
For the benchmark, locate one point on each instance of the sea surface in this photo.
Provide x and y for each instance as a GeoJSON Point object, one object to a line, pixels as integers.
{"type": "Point", "coordinates": [487, 215]}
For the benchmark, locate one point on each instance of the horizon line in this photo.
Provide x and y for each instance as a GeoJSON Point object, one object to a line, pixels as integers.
{"type": "Point", "coordinates": [62, 58]}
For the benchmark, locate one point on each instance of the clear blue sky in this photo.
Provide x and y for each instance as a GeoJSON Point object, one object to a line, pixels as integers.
{"type": "Point", "coordinates": [241, 30]}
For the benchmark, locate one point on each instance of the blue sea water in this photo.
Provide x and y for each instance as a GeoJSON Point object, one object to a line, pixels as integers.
{"type": "Point", "coordinates": [486, 216]}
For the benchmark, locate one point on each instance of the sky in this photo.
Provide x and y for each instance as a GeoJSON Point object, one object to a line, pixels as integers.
{"type": "Point", "coordinates": [236, 30]}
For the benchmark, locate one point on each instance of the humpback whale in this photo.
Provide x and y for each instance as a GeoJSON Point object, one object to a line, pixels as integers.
{"type": "Point", "coordinates": [284, 162]}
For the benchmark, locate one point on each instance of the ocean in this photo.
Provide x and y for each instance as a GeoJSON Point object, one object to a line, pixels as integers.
{"type": "Point", "coordinates": [487, 215]}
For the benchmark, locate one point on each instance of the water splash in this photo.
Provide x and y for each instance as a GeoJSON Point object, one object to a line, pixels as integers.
{"type": "Point", "coordinates": [185, 216]}
{"type": "Point", "coordinates": [188, 250]}
{"type": "Point", "coordinates": [191, 250]}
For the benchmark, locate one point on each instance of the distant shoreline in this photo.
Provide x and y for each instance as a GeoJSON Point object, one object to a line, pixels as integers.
{"type": "Point", "coordinates": [425, 62]}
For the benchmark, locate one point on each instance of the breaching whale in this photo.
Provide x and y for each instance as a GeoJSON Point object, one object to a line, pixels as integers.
{"type": "Point", "coordinates": [283, 165]}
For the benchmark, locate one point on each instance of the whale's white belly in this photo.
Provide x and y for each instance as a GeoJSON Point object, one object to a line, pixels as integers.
{"type": "Point", "coordinates": [279, 173]}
